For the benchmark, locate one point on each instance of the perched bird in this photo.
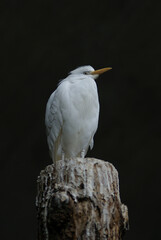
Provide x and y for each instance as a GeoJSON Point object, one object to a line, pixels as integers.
{"type": "Point", "coordinates": [72, 114]}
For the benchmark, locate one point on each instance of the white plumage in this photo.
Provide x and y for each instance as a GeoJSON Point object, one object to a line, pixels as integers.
{"type": "Point", "coordinates": [72, 114]}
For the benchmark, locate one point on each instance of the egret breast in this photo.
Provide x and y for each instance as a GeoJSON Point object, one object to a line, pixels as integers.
{"type": "Point", "coordinates": [81, 117]}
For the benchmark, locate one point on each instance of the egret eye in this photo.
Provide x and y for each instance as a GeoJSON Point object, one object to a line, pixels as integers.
{"type": "Point", "coordinates": [87, 73]}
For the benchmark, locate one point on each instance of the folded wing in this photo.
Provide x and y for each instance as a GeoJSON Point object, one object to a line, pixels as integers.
{"type": "Point", "coordinates": [54, 122]}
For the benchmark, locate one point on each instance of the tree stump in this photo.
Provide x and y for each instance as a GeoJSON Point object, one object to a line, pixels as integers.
{"type": "Point", "coordinates": [79, 200]}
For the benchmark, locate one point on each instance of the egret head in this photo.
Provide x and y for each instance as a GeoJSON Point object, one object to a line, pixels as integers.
{"type": "Point", "coordinates": [88, 70]}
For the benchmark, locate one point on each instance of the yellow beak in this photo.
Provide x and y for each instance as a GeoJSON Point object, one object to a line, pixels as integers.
{"type": "Point", "coordinates": [100, 71]}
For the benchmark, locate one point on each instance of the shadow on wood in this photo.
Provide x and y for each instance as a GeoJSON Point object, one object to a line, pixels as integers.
{"type": "Point", "coordinates": [80, 200]}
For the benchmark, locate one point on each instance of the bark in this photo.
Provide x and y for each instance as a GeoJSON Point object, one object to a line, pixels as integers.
{"type": "Point", "coordinates": [80, 200]}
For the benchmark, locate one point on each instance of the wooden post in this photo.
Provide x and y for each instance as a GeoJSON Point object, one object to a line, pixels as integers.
{"type": "Point", "coordinates": [79, 200]}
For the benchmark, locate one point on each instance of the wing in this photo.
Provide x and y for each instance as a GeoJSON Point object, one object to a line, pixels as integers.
{"type": "Point", "coordinates": [53, 122]}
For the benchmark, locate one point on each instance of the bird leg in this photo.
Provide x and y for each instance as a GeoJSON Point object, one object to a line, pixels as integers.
{"type": "Point", "coordinates": [63, 165]}
{"type": "Point", "coordinates": [83, 153]}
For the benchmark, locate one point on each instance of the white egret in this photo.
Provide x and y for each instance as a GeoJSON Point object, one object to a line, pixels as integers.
{"type": "Point", "coordinates": [72, 114]}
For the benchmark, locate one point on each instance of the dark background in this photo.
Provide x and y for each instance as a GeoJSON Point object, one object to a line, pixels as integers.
{"type": "Point", "coordinates": [42, 42]}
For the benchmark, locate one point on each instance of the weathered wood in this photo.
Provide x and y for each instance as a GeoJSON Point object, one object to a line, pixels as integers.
{"type": "Point", "coordinates": [80, 200]}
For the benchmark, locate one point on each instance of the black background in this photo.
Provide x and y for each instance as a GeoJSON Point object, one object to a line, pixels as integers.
{"type": "Point", "coordinates": [42, 42]}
